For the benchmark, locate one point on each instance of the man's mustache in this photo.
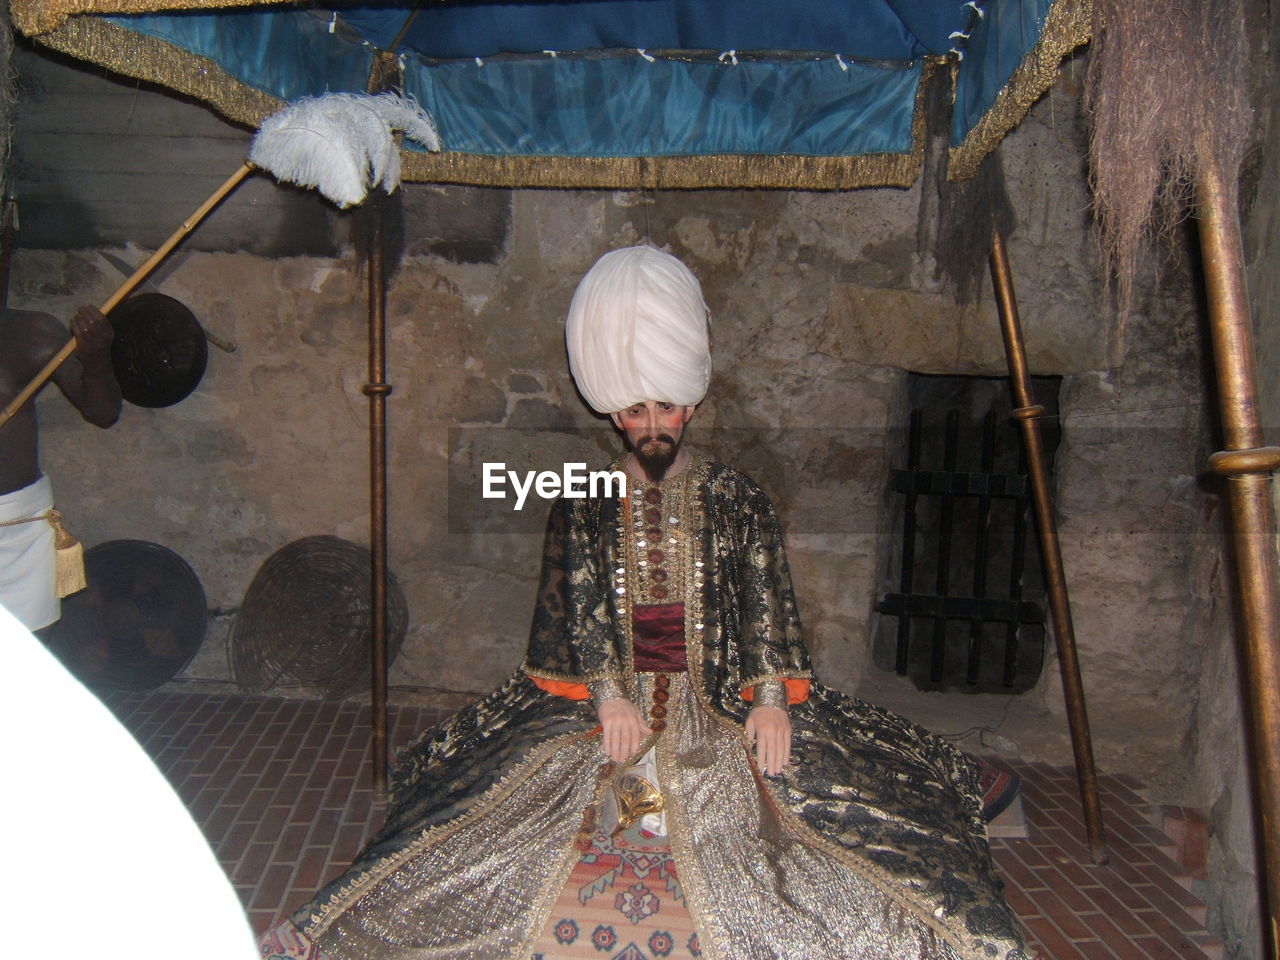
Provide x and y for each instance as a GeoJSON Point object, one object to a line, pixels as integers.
{"type": "Point", "coordinates": [659, 437]}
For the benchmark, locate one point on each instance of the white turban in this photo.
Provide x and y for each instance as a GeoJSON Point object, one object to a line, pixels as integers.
{"type": "Point", "coordinates": [637, 330]}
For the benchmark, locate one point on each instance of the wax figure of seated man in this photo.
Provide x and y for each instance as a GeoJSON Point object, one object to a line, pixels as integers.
{"type": "Point", "coordinates": [665, 638]}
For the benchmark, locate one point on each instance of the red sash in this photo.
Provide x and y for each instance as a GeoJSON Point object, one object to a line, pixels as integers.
{"type": "Point", "coordinates": [658, 638]}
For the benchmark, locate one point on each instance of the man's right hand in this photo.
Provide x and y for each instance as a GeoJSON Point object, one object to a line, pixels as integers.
{"type": "Point", "coordinates": [623, 730]}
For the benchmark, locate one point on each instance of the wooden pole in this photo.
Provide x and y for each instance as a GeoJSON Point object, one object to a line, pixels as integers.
{"type": "Point", "coordinates": [1027, 412]}
{"type": "Point", "coordinates": [377, 390]}
{"type": "Point", "coordinates": [1247, 466]}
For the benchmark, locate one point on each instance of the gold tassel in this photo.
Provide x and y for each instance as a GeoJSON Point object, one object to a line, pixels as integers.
{"type": "Point", "coordinates": [69, 575]}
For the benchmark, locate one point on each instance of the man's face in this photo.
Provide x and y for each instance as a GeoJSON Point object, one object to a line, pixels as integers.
{"type": "Point", "coordinates": [653, 430]}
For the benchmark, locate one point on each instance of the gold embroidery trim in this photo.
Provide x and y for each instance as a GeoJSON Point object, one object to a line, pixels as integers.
{"type": "Point", "coordinates": [770, 693]}
{"type": "Point", "coordinates": [696, 897]}
{"type": "Point", "coordinates": [326, 913]}
{"type": "Point", "coordinates": [674, 503]}
{"type": "Point", "coordinates": [586, 679]}
{"type": "Point", "coordinates": [34, 17]}
{"type": "Point", "coordinates": [607, 688]}
{"type": "Point", "coordinates": [779, 676]}
{"type": "Point", "coordinates": [545, 902]}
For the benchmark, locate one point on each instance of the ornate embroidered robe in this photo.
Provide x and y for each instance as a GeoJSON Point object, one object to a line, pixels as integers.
{"type": "Point", "coordinates": [870, 845]}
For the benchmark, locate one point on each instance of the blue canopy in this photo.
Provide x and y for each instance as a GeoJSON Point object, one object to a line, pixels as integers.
{"type": "Point", "coordinates": [664, 93]}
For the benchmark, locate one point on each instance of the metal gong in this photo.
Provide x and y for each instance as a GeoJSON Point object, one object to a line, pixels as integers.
{"type": "Point", "coordinates": [139, 621]}
{"type": "Point", "coordinates": [159, 352]}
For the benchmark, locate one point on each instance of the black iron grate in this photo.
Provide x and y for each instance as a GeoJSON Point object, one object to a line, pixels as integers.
{"type": "Point", "coordinates": [969, 611]}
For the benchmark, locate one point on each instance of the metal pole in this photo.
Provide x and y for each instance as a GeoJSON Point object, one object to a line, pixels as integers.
{"type": "Point", "coordinates": [1027, 412]}
{"type": "Point", "coordinates": [383, 75]}
{"type": "Point", "coordinates": [1247, 466]}
{"type": "Point", "coordinates": [377, 390]}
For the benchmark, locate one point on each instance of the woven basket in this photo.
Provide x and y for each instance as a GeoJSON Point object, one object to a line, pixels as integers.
{"type": "Point", "coordinates": [307, 618]}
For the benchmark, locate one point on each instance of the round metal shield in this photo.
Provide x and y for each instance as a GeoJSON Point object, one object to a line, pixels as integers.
{"type": "Point", "coordinates": [159, 352]}
{"type": "Point", "coordinates": [139, 621]}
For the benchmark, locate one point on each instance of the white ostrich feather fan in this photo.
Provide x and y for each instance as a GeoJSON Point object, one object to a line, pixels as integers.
{"type": "Point", "coordinates": [341, 143]}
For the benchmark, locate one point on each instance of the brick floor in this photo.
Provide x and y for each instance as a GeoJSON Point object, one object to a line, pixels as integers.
{"type": "Point", "coordinates": [282, 791]}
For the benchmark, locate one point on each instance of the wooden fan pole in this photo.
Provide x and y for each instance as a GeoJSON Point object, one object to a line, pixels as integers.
{"type": "Point", "coordinates": [377, 390]}
{"type": "Point", "coordinates": [1027, 412]}
{"type": "Point", "coordinates": [1247, 466]}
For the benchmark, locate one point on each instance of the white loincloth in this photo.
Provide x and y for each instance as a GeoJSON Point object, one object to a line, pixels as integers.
{"type": "Point", "coordinates": [27, 557]}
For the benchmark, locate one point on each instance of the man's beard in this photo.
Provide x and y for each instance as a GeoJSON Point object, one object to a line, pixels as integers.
{"type": "Point", "coordinates": [655, 458]}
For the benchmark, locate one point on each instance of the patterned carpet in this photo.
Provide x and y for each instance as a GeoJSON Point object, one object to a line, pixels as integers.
{"type": "Point", "coordinates": [622, 902]}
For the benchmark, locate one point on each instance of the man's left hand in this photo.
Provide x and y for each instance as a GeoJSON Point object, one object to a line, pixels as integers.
{"type": "Point", "coordinates": [769, 728]}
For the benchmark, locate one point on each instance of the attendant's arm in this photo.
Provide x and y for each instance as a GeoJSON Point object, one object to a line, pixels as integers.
{"type": "Point", "coordinates": [86, 378]}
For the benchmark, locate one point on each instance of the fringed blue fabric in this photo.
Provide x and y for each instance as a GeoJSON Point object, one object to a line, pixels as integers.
{"type": "Point", "coordinates": [839, 78]}
{"type": "Point", "coordinates": [997, 44]}
{"type": "Point", "coordinates": [624, 105]}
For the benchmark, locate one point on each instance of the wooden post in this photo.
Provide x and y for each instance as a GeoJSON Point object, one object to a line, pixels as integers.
{"type": "Point", "coordinates": [1027, 412]}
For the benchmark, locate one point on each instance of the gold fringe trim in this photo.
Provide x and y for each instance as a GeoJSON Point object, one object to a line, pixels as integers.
{"type": "Point", "coordinates": [721, 171]}
{"type": "Point", "coordinates": [56, 23]}
{"type": "Point", "coordinates": [155, 61]}
{"type": "Point", "coordinates": [1067, 26]}
{"type": "Point", "coordinates": [34, 17]}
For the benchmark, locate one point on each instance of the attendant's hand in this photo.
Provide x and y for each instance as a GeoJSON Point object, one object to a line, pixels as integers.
{"type": "Point", "coordinates": [92, 331]}
{"type": "Point", "coordinates": [623, 730]}
{"type": "Point", "coordinates": [769, 728]}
